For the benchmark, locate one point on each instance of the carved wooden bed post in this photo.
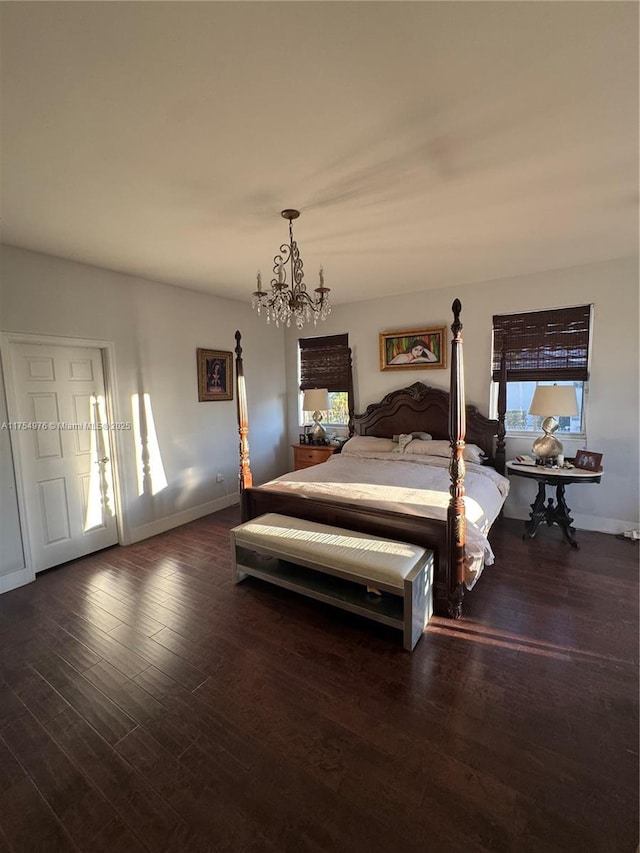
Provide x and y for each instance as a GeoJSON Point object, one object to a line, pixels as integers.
{"type": "Point", "coordinates": [502, 409]}
{"type": "Point", "coordinates": [246, 479]}
{"type": "Point", "coordinates": [351, 426]}
{"type": "Point", "coordinates": [456, 520]}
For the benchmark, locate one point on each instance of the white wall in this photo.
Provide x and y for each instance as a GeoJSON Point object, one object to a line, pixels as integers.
{"type": "Point", "coordinates": [612, 407]}
{"type": "Point", "coordinates": [156, 330]}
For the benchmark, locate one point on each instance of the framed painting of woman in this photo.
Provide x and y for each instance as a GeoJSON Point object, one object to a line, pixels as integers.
{"type": "Point", "coordinates": [414, 349]}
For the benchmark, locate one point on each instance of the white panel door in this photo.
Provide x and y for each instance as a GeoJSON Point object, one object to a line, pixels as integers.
{"type": "Point", "coordinates": [65, 456]}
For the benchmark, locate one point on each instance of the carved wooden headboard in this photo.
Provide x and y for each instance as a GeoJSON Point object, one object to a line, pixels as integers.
{"type": "Point", "coordinates": [420, 408]}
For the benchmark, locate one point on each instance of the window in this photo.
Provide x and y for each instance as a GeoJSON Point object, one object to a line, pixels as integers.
{"type": "Point", "coordinates": [518, 419]}
{"type": "Point", "coordinates": [325, 362]}
{"type": "Point", "coordinates": [338, 413]}
{"type": "Point", "coordinates": [546, 348]}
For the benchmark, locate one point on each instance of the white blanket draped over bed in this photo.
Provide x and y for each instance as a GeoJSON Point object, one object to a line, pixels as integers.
{"type": "Point", "coordinates": [411, 484]}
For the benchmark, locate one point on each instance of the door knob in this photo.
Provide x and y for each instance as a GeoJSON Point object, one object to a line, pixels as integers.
{"type": "Point", "coordinates": [104, 459]}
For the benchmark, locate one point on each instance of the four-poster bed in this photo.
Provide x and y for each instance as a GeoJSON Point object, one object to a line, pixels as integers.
{"type": "Point", "coordinates": [418, 408]}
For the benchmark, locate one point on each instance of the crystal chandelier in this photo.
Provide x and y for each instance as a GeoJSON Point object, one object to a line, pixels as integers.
{"type": "Point", "coordinates": [284, 302]}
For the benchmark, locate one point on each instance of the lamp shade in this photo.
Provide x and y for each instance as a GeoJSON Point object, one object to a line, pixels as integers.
{"type": "Point", "coordinates": [316, 400]}
{"type": "Point", "coordinates": [554, 400]}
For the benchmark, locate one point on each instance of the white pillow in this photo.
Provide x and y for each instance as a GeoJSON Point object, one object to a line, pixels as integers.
{"type": "Point", "coordinates": [368, 444]}
{"type": "Point", "coordinates": [472, 453]}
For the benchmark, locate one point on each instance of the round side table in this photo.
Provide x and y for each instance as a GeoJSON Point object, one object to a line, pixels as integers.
{"type": "Point", "coordinates": [557, 513]}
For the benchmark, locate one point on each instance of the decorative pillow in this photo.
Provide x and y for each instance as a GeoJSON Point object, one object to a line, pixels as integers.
{"type": "Point", "coordinates": [403, 441]}
{"type": "Point", "coordinates": [359, 444]}
{"type": "Point", "coordinates": [422, 436]}
{"type": "Point", "coordinates": [472, 453]}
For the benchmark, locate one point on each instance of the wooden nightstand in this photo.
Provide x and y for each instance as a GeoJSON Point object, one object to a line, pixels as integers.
{"type": "Point", "coordinates": [306, 455]}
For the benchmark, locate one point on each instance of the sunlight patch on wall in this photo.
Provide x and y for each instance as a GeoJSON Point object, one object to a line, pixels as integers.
{"type": "Point", "coordinates": [149, 468]}
{"type": "Point", "coordinates": [97, 485]}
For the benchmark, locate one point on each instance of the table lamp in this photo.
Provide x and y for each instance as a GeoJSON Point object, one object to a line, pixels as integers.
{"type": "Point", "coordinates": [316, 400]}
{"type": "Point", "coordinates": [559, 399]}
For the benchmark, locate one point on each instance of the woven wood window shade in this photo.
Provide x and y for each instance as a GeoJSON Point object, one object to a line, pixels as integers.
{"type": "Point", "coordinates": [325, 362]}
{"type": "Point", "coordinates": [543, 345]}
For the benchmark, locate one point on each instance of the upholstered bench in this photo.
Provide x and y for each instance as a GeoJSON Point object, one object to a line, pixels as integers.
{"type": "Point", "coordinates": [337, 566]}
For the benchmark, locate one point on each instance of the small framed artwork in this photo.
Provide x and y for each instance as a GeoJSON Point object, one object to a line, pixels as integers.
{"type": "Point", "coordinates": [215, 375]}
{"type": "Point", "coordinates": [588, 461]}
{"type": "Point", "coordinates": [414, 349]}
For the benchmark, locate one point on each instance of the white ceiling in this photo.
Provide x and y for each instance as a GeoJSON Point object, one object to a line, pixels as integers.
{"type": "Point", "coordinates": [426, 144]}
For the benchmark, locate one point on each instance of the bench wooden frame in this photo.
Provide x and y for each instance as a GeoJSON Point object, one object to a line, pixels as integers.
{"type": "Point", "coordinates": [407, 609]}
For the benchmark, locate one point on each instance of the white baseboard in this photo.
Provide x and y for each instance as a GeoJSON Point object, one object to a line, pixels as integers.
{"type": "Point", "coordinates": [582, 522]}
{"type": "Point", "coordinates": [13, 580]}
{"type": "Point", "coordinates": [137, 534]}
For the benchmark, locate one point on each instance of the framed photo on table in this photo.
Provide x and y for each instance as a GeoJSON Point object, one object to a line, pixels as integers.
{"type": "Point", "coordinates": [215, 375]}
{"type": "Point", "coordinates": [587, 460]}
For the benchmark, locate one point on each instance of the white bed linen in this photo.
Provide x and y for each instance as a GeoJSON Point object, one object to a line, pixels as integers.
{"type": "Point", "coordinates": [416, 485]}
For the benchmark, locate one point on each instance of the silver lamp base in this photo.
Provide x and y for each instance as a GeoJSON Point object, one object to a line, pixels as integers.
{"type": "Point", "coordinates": [547, 446]}
{"type": "Point", "coordinates": [318, 432]}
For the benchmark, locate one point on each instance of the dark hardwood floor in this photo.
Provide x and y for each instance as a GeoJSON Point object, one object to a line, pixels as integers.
{"type": "Point", "coordinates": [148, 704]}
